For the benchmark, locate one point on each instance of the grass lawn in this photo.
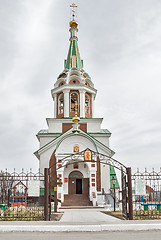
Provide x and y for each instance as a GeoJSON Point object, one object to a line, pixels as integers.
{"type": "Point", "coordinates": [117, 214]}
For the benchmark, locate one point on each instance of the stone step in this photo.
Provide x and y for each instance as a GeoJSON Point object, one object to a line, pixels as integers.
{"type": "Point", "coordinates": [81, 207]}
{"type": "Point", "coordinates": [76, 200]}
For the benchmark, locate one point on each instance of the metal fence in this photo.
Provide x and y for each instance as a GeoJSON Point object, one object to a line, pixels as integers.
{"type": "Point", "coordinates": [146, 188]}
{"type": "Point", "coordinates": [21, 196]}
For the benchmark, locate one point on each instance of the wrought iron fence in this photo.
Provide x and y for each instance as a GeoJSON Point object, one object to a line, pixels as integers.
{"type": "Point", "coordinates": [21, 195]}
{"type": "Point", "coordinates": [146, 188]}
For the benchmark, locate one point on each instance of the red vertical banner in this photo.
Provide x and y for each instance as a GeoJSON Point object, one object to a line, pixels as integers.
{"type": "Point", "coordinates": [65, 180]}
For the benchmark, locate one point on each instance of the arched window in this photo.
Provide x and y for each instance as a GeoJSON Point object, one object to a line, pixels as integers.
{"type": "Point", "coordinates": [86, 83]}
{"type": "Point", "coordinates": [62, 75]}
{"type": "Point", "coordinates": [74, 81]}
{"type": "Point", "coordinates": [61, 104]}
{"type": "Point", "coordinates": [87, 104]}
{"type": "Point", "coordinates": [73, 101]}
{"type": "Point", "coordinates": [76, 174]}
{"type": "Point", "coordinates": [61, 83]}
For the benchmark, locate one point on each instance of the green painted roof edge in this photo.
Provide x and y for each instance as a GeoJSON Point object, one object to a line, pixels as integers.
{"type": "Point", "coordinates": [109, 133]}
{"type": "Point", "coordinates": [48, 143]}
{"type": "Point", "coordinates": [38, 134]}
{"type": "Point", "coordinates": [97, 133]}
{"type": "Point", "coordinates": [49, 133]}
{"type": "Point", "coordinates": [81, 131]}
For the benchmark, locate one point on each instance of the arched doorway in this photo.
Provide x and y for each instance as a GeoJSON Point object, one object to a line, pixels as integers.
{"type": "Point", "coordinates": [77, 183]}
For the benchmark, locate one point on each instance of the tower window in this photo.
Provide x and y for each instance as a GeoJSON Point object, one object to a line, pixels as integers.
{"type": "Point", "coordinates": [74, 81]}
{"type": "Point", "coordinates": [61, 104]}
{"type": "Point", "coordinates": [87, 84]}
{"type": "Point", "coordinates": [87, 103]}
{"type": "Point", "coordinates": [62, 75]}
{"type": "Point", "coordinates": [74, 99]}
{"type": "Point", "coordinates": [61, 83]}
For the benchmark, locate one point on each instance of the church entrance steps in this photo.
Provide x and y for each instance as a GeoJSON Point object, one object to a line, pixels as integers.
{"type": "Point", "coordinates": [76, 200]}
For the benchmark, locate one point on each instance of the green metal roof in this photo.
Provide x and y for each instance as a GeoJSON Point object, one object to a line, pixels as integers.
{"type": "Point", "coordinates": [43, 131]}
{"type": "Point", "coordinates": [73, 51]}
{"type": "Point", "coordinates": [113, 174]}
{"type": "Point", "coordinates": [102, 131]}
{"type": "Point", "coordinates": [105, 131]}
{"type": "Point", "coordinates": [94, 139]}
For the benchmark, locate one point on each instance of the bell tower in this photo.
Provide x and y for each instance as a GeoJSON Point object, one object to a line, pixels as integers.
{"type": "Point", "coordinates": [73, 129]}
{"type": "Point", "coordinates": [73, 84]}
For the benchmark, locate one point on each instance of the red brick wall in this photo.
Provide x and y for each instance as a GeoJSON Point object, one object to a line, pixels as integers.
{"type": "Point", "coordinates": [67, 126]}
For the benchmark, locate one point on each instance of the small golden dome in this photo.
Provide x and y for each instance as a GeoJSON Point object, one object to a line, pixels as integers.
{"type": "Point", "coordinates": [73, 24]}
{"type": "Point", "coordinates": [76, 119]}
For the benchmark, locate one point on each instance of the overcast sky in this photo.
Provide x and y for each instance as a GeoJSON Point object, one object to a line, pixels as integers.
{"type": "Point", "coordinates": [120, 43]}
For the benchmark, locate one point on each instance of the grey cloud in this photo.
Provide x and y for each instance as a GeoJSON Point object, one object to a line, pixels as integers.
{"type": "Point", "coordinates": [120, 44]}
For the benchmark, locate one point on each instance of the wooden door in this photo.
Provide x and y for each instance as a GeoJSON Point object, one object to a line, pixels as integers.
{"type": "Point", "coordinates": [79, 186]}
{"type": "Point", "coordinates": [86, 186]}
{"type": "Point", "coordinates": [72, 186]}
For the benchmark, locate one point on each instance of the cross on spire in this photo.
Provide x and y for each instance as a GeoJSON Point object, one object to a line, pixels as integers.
{"type": "Point", "coordinates": [74, 6]}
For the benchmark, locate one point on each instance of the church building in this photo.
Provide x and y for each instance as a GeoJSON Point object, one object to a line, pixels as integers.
{"type": "Point", "coordinates": [73, 129]}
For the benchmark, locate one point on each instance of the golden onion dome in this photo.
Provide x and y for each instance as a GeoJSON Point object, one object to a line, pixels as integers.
{"type": "Point", "coordinates": [73, 24]}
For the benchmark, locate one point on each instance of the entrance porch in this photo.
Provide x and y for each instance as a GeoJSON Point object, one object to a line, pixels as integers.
{"type": "Point", "coordinates": [79, 178]}
{"type": "Point", "coordinates": [78, 190]}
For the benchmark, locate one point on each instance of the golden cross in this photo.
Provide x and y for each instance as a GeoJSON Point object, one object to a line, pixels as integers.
{"type": "Point", "coordinates": [73, 10]}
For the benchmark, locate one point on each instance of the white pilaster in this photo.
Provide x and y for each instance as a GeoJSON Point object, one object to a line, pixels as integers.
{"type": "Point", "coordinates": [92, 105]}
{"type": "Point", "coordinates": [60, 189]}
{"type": "Point", "coordinates": [55, 105]}
{"type": "Point", "coordinates": [82, 103]}
{"type": "Point", "coordinates": [66, 102]}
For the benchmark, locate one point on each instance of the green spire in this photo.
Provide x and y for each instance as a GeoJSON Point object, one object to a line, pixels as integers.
{"type": "Point", "coordinates": [113, 174]}
{"type": "Point", "coordinates": [73, 58]}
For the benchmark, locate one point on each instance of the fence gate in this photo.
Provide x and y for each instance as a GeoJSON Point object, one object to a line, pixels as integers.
{"type": "Point", "coordinates": [52, 179]}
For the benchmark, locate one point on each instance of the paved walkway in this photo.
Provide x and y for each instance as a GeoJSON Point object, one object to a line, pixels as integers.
{"type": "Point", "coordinates": [86, 216]}
{"type": "Point", "coordinates": [81, 220]}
